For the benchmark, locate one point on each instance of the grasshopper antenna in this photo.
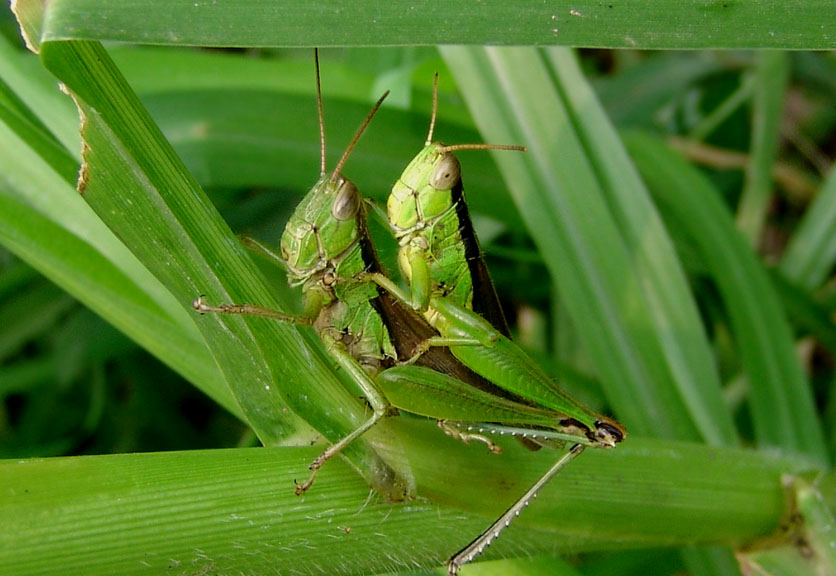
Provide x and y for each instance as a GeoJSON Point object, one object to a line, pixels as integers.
{"type": "Point", "coordinates": [357, 135]}
{"type": "Point", "coordinates": [455, 147]}
{"type": "Point", "coordinates": [320, 114]}
{"type": "Point", "coordinates": [434, 111]}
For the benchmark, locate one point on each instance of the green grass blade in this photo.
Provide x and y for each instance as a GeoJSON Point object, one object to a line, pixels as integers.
{"type": "Point", "coordinates": [811, 251]}
{"type": "Point", "coordinates": [714, 561]}
{"type": "Point", "coordinates": [804, 311]}
{"type": "Point", "coordinates": [780, 399]}
{"type": "Point", "coordinates": [653, 24]}
{"type": "Point", "coordinates": [819, 523]}
{"type": "Point", "coordinates": [233, 510]}
{"type": "Point", "coordinates": [674, 313]}
{"type": "Point", "coordinates": [771, 76]}
{"type": "Point", "coordinates": [34, 89]}
{"type": "Point", "coordinates": [595, 243]}
{"type": "Point", "coordinates": [813, 524]}
{"type": "Point", "coordinates": [635, 96]}
{"type": "Point", "coordinates": [28, 314]}
{"type": "Point", "coordinates": [534, 566]}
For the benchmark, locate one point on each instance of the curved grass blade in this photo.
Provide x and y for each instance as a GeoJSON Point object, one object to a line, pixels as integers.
{"type": "Point", "coordinates": [46, 223]}
{"type": "Point", "coordinates": [770, 85]}
{"type": "Point", "coordinates": [811, 251]}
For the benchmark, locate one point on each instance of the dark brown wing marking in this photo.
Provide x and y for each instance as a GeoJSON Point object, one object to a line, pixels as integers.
{"type": "Point", "coordinates": [485, 301]}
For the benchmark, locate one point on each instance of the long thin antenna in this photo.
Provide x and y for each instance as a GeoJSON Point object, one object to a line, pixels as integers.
{"type": "Point", "coordinates": [455, 147]}
{"type": "Point", "coordinates": [434, 111]}
{"type": "Point", "coordinates": [321, 115]}
{"type": "Point", "coordinates": [357, 135]}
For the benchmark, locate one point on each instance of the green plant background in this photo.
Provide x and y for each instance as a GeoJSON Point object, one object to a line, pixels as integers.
{"type": "Point", "coordinates": [665, 247]}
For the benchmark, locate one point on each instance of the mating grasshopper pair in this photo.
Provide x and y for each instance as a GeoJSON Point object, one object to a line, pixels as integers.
{"type": "Point", "coordinates": [440, 349]}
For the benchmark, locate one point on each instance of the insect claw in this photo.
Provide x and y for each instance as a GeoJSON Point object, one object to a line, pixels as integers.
{"type": "Point", "coordinates": [301, 488]}
{"type": "Point", "coordinates": [199, 304]}
{"type": "Point", "coordinates": [454, 432]}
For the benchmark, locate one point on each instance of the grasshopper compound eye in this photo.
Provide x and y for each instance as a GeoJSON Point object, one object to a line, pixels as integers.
{"type": "Point", "coordinates": [447, 173]}
{"type": "Point", "coordinates": [347, 202]}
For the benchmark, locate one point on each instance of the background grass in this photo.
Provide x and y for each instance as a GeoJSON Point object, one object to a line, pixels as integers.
{"type": "Point", "coordinates": [665, 247]}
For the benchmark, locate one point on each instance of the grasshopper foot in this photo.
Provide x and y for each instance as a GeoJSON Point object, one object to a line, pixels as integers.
{"type": "Point", "coordinates": [314, 468]}
{"type": "Point", "coordinates": [301, 487]}
{"type": "Point", "coordinates": [454, 432]}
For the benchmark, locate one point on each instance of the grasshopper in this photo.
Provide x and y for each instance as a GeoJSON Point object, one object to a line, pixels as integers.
{"type": "Point", "coordinates": [440, 258]}
{"type": "Point", "coordinates": [439, 252]}
{"type": "Point", "coordinates": [326, 249]}
{"type": "Point", "coordinates": [384, 346]}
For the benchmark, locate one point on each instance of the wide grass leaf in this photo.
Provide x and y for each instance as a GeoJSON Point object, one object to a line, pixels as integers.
{"type": "Point", "coordinates": [234, 510]}
{"type": "Point", "coordinates": [138, 186]}
{"type": "Point", "coordinates": [614, 24]}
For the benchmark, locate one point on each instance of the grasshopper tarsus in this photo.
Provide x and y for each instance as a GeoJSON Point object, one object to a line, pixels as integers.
{"type": "Point", "coordinates": [466, 437]}
{"type": "Point", "coordinates": [201, 306]}
{"type": "Point", "coordinates": [314, 467]}
{"type": "Point", "coordinates": [198, 303]}
{"type": "Point", "coordinates": [302, 487]}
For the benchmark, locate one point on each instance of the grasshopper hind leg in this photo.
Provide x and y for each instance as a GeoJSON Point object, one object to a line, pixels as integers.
{"type": "Point", "coordinates": [477, 546]}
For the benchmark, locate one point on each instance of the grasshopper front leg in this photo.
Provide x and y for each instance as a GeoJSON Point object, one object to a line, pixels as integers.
{"type": "Point", "coordinates": [201, 306]}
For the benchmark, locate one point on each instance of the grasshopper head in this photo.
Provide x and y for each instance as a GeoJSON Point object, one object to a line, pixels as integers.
{"type": "Point", "coordinates": [322, 229]}
{"type": "Point", "coordinates": [425, 189]}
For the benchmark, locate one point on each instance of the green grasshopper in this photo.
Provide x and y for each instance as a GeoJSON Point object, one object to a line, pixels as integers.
{"type": "Point", "coordinates": [326, 248]}
{"type": "Point", "coordinates": [370, 332]}
{"type": "Point", "coordinates": [439, 252]}
{"type": "Point", "coordinates": [449, 282]}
